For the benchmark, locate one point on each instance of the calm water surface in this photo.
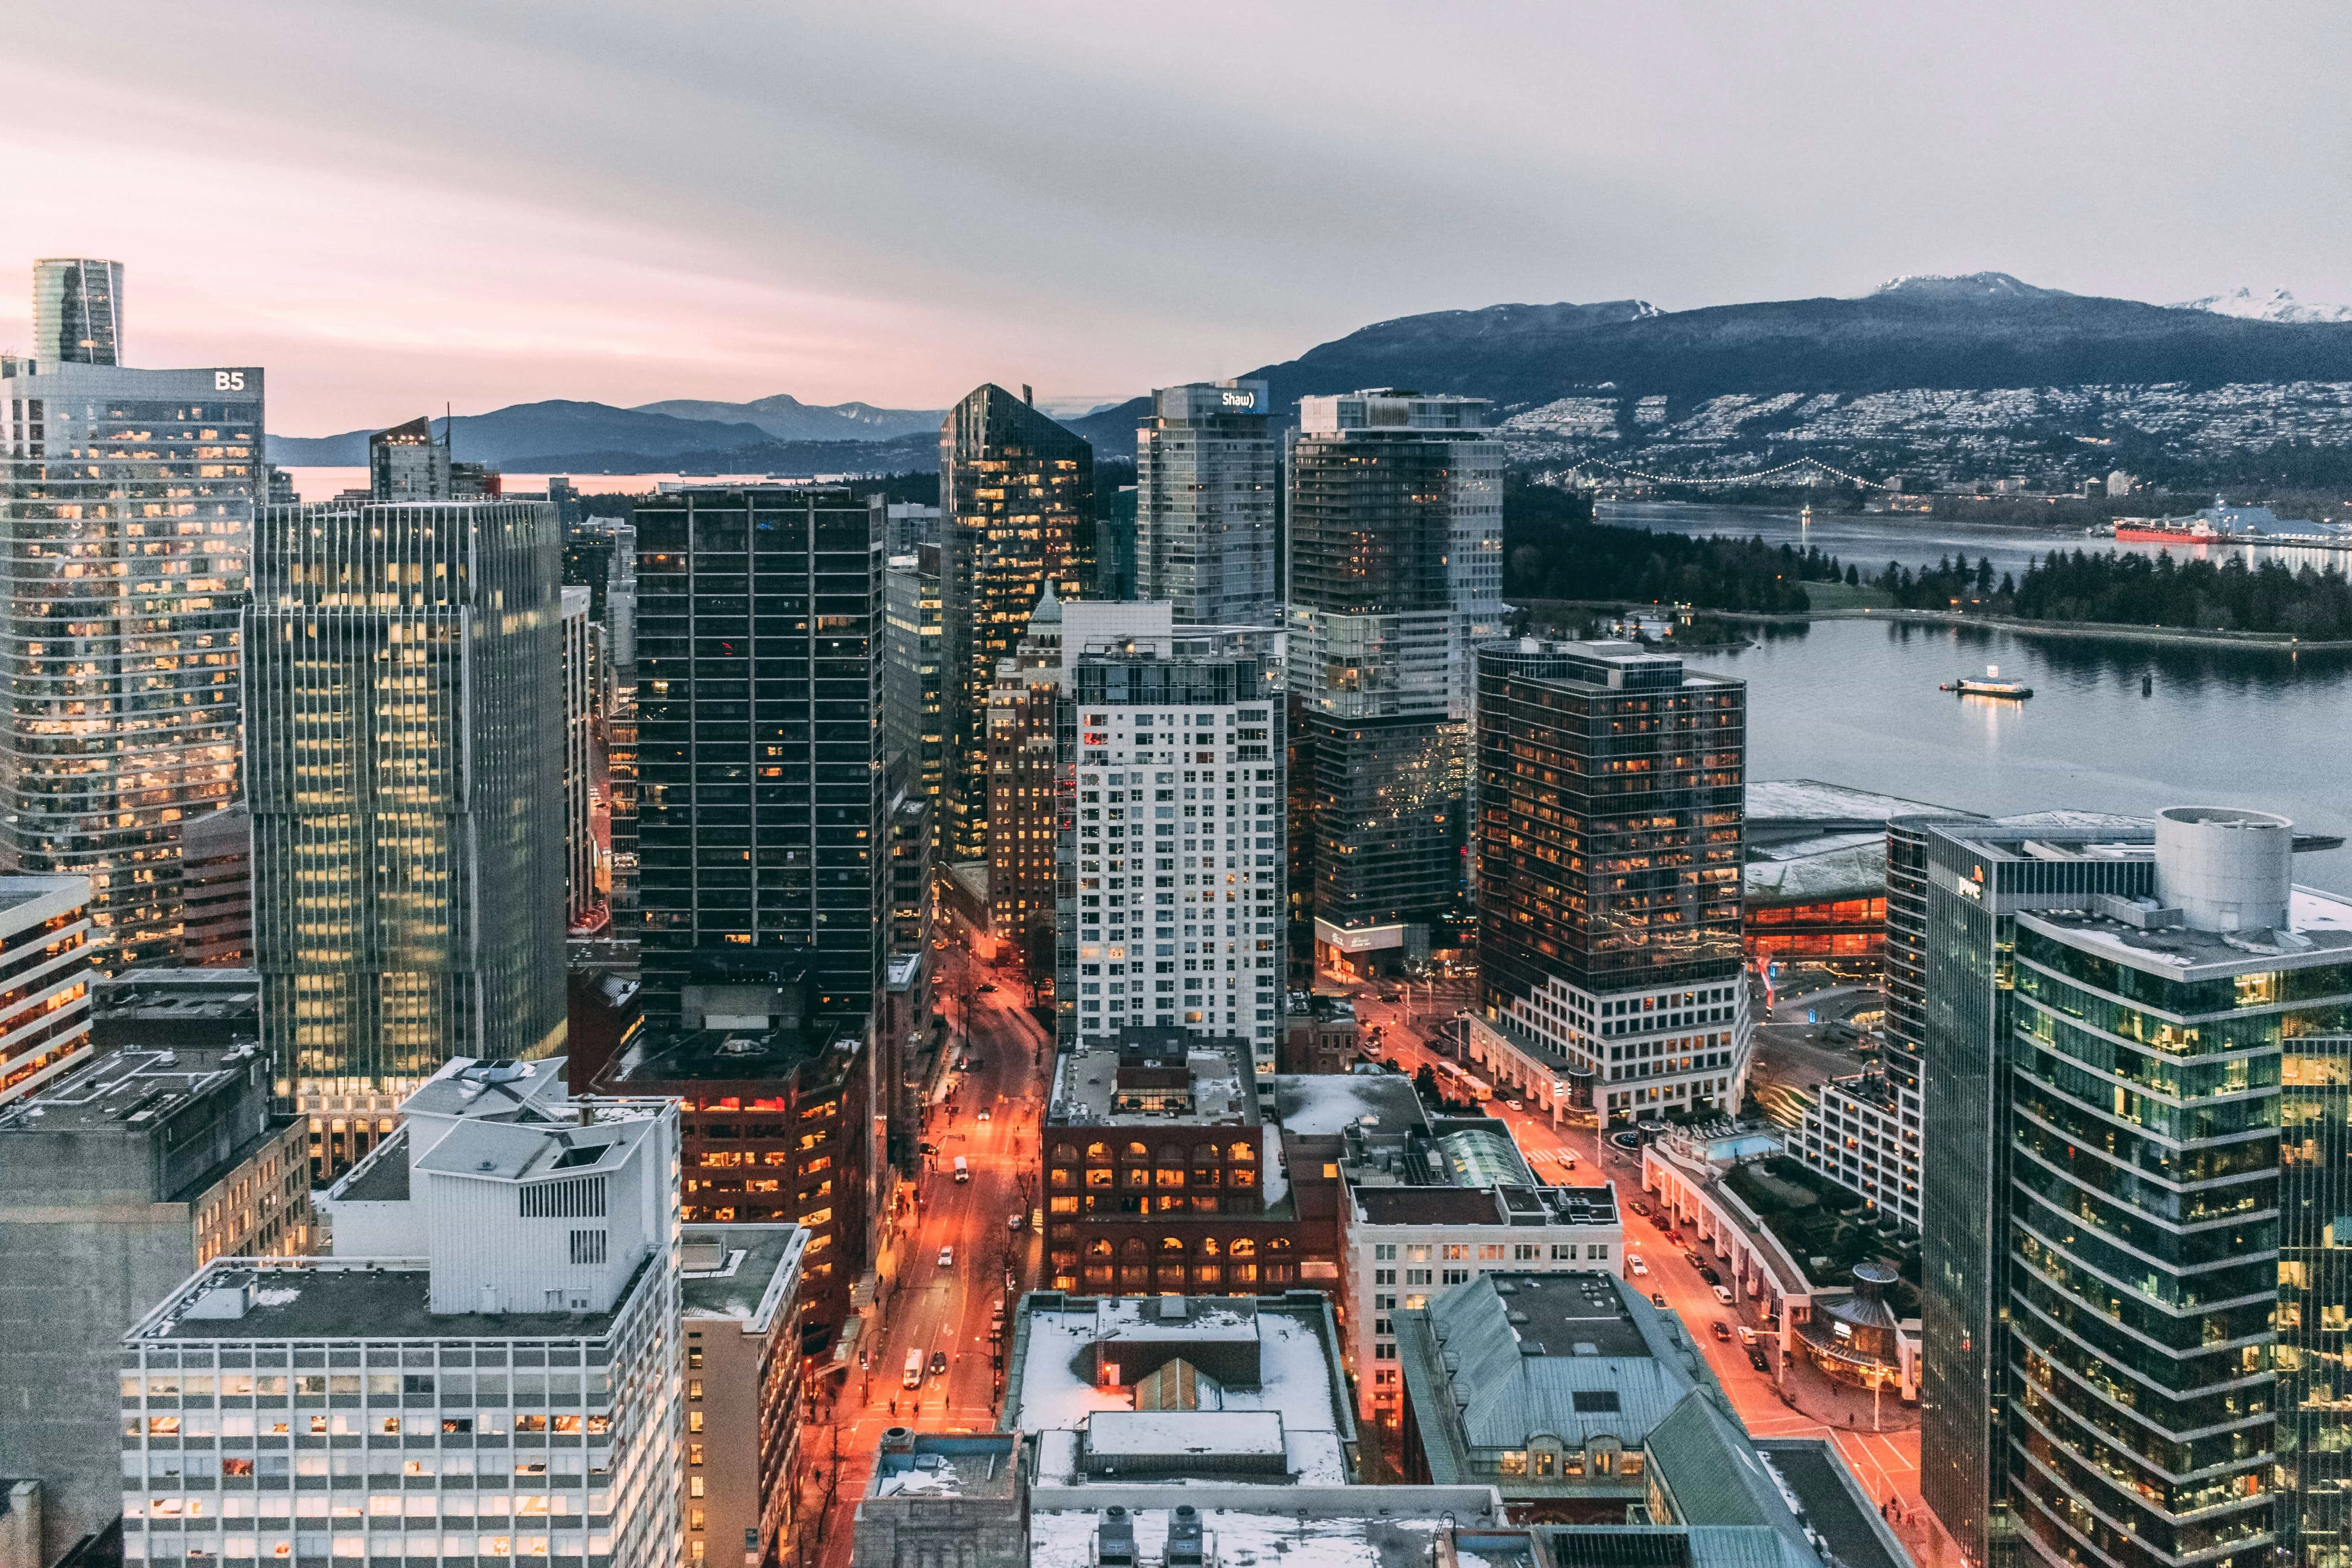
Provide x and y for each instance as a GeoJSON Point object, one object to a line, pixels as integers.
{"type": "Point", "coordinates": [1854, 702]}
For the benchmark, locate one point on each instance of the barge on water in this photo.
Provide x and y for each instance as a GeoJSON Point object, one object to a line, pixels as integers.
{"type": "Point", "coordinates": [1992, 685]}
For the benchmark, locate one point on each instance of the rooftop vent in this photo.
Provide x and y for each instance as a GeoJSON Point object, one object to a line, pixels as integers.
{"type": "Point", "coordinates": [1172, 1308]}
{"type": "Point", "coordinates": [1584, 1347]}
{"type": "Point", "coordinates": [1115, 1543]}
{"type": "Point", "coordinates": [1184, 1543]}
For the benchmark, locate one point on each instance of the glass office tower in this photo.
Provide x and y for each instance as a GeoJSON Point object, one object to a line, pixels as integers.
{"type": "Point", "coordinates": [2130, 1359]}
{"type": "Point", "coordinates": [126, 523]}
{"type": "Point", "coordinates": [1395, 574]}
{"type": "Point", "coordinates": [1208, 486]}
{"type": "Point", "coordinates": [914, 719]}
{"type": "Point", "coordinates": [761, 803]}
{"type": "Point", "coordinates": [77, 311]}
{"type": "Point", "coordinates": [1017, 494]}
{"type": "Point", "coordinates": [404, 753]}
{"type": "Point", "coordinates": [1611, 805]}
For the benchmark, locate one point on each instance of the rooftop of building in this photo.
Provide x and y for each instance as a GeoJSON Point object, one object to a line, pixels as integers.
{"type": "Point", "coordinates": [1579, 1357]}
{"type": "Point", "coordinates": [1808, 808]}
{"type": "Point", "coordinates": [1326, 1103]}
{"type": "Point", "coordinates": [740, 1271]}
{"type": "Point", "coordinates": [380, 1177]}
{"type": "Point", "coordinates": [1222, 1363]}
{"type": "Point", "coordinates": [128, 1091]}
{"type": "Point", "coordinates": [2319, 931]}
{"type": "Point", "coordinates": [167, 996]}
{"type": "Point", "coordinates": [493, 1092]}
{"type": "Point", "coordinates": [1526, 1204]}
{"type": "Point", "coordinates": [1155, 1077]}
{"type": "Point", "coordinates": [327, 1299]}
{"type": "Point", "coordinates": [731, 1055]}
{"type": "Point", "coordinates": [935, 1465]}
{"type": "Point", "coordinates": [1355, 1530]}
{"type": "Point", "coordinates": [1316, 1004]}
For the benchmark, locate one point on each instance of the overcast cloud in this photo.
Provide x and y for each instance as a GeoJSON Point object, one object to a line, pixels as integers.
{"type": "Point", "coordinates": [396, 204]}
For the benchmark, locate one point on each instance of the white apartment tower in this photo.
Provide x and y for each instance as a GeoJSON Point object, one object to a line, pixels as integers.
{"type": "Point", "coordinates": [1173, 860]}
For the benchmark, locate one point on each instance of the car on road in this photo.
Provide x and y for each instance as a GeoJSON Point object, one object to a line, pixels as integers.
{"type": "Point", "coordinates": [913, 1377]}
{"type": "Point", "coordinates": [963, 1063]}
{"type": "Point", "coordinates": [1641, 1208]}
{"type": "Point", "coordinates": [963, 1169]}
{"type": "Point", "coordinates": [1747, 1335]}
{"type": "Point", "coordinates": [1755, 1358]}
{"type": "Point", "coordinates": [947, 1258]}
{"type": "Point", "coordinates": [926, 1148]}
{"type": "Point", "coordinates": [1707, 1273]}
{"type": "Point", "coordinates": [938, 1362]}
{"type": "Point", "coordinates": [1638, 1266]}
{"type": "Point", "coordinates": [1658, 1299]}
{"type": "Point", "coordinates": [1515, 1105]}
{"type": "Point", "coordinates": [1018, 1220]}
{"type": "Point", "coordinates": [985, 986]}
{"type": "Point", "coordinates": [1722, 1295]}
{"type": "Point", "coordinates": [983, 1114]}
{"type": "Point", "coordinates": [1625, 1140]}
{"type": "Point", "coordinates": [1722, 1330]}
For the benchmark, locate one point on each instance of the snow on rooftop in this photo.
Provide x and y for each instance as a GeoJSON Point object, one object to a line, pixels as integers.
{"type": "Point", "coordinates": [1154, 1432]}
{"type": "Point", "coordinates": [1328, 1103]}
{"type": "Point", "coordinates": [1295, 1378]}
{"type": "Point", "coordinates": [1275, 1179]}
{"type": "Point", "coordinates": [1066, 1539]}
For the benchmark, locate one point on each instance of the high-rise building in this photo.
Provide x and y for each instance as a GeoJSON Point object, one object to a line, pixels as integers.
{"type": "Point", "coordinates": [405, 752]}
{"type": "Point", "coordinates": [584, 877]}
{"type": "Point", "coordinates": [217, 890]}
{"type": "Point", "coordinates": [409, 462]}
{"type": "Point", "coordinates": [914, 723]}
{"type": "Point", "coordinates": [1610, 783]}
{"type": "Point", "coordinates": [762, 804]}
{"type": "Point", "coordinates": [1170, 860]}
{"type": "Point", "coordinates": [1396, 538]}
{"type": "Point", "coordinates": [601, 555]}
{"type": "Point", "coordinates": [1208, 485]}
{"type": "Point", "coordinates": [504, 1304]}
{"type": "Point", "coordinates": [1023, 793]}
{"type": "Point", "coordinates": [77, 311]}
{"type": "Point", "coordinates": [1017, 494]}
{"type": "Point", "coordinates": [2119, 1365]}
{"type": "Point", "coordinates": [126, 522]}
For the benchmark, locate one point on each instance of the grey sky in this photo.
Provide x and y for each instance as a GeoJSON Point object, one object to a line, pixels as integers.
{"type": "Point", "coordinates": [391, 205]}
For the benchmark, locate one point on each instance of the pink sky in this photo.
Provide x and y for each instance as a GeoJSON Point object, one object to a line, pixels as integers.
{"type": "Point", "coordinates": [482, 202]}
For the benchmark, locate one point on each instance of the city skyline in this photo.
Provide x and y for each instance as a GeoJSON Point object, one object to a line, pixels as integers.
{"type": "Point", "coordinates": [558, 255]}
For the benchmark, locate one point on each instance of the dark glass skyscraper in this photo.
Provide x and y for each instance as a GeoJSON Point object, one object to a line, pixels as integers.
{"type": "Point", "coordinates": [77, 311]}
{"type": "Point", "coordinates": [1395, 526]}
{"type": "Point", "coordinates": [1610, 787]}
{"type": "Point", "coordinates": [405, 749]}
{"type": "Point", "coordinates": [1017, 493]}
{"type": "Point", "coordinates": [761, 806]}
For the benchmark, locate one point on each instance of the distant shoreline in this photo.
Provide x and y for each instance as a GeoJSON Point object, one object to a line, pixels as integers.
{"type": "Point", "coordinates": [2100, 631]}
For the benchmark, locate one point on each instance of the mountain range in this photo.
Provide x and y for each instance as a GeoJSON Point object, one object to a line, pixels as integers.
{"type": "Point", "coordinates": [1630, 370]}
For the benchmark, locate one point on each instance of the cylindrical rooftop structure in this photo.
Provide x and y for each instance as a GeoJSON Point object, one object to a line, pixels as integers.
{"type": "Point", "coordinates": [2225, 869]}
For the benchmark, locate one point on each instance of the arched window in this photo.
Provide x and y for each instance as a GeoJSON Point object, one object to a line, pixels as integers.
{"type": "Point", "coordinates": [1134, 1250]}
{"type": "Point", "coordinates": [1171, 1154]}
{"type": "Point", "coordinates": [1138, 1152]}
{"type": "Point", "coordinates": [1242, 1153]}
{"type": "Point", "coordinates": [1098, 1150]}
{"type": "Point", "coordinates": [1244, 1247]}
{"type": "Point", "coordinates": [1209, 1248]}
{"type": "Point", "coordinates": [1171, 1244]}
{"type": "Point", "coordinates": [1098, 1249]}
{"type": "Point", "coordinates": [1066, 1150]}
{"type": "Point", "coordinates": [1279, 1244]}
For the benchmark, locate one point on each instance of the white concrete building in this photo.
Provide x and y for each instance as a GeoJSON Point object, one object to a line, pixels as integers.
{"type": "Point", "coordinates": [505, 1385]}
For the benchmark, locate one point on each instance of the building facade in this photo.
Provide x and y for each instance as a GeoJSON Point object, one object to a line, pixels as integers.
{"type": "Point", "coordinates": [762, 804]}
{"type": "Point", "coordinates": [2119, 1357]}
{"type": "Point", "coordinates": [1610, 790]}
{"type": "Point", "coordinates": [77, 311]}
{"type": "Point", "coordinates": [409, 462]}
{"type": "Point", "coordinates": [1395, 540]}
{"type": "Point", "coordinates": [1016, 494]}
{"type": "Point", "coordinates": [216, 889]}
{"type": "Point", "coordinates": [1172, 851]}
{"type": "Point", "coordinates": [914, 723]}
{"type": "Point", "coordinates": [585, 879]}
{"type": "Point", "coordinates": [45, 952]}
{"type": "Point", "coordinates": [124, 710]}
{"type": "Point", "coordinates": [117, 1181]}
{"type": "Point", "coordinates": [514, 1393]}
{"type": "Point", "coordinates": [1208, 490]}
{"type": "Point", "coordinates": [405, 743]}
{"type": "Point", "coordinates": [740, 1460]}
{"type": "Point", "coordinates": [1025, 797]}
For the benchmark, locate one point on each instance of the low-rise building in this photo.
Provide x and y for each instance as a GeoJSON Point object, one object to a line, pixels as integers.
{"type": "Point", "coordinates": [740, 1297]}
{"type": "Point", "coordinates": [935, 1499]}
{"type": "Point", "coordinates": [775, 1120]}
{"type": "Point", "coordinates": [1119, 1390]}
{"type": "Point", "coordinates": [1814, 886]}
{"type": "Point", "coordinates": [117, 1181]}
{"type": "Point", "coordinates": [1161, 1174]}
{"type": "Point", "coordinates": [502, 1381]}
{"type": "Point", "coordinates": [1320, 1034]}
{"type": "Point", "coordinates": [1547, 1387]}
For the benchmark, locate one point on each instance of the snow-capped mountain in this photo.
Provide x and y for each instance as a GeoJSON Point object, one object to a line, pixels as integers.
{"type": "Point", "coordinates": [2278, 305]}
